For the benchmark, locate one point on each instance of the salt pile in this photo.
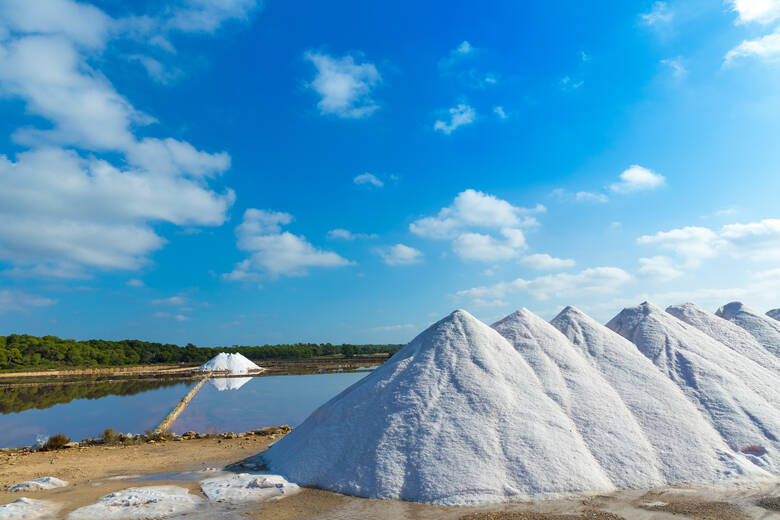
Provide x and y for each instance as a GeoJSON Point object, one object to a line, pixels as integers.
{"type": "Point", "coordinates": [232, 363]}
{"type": "Point", "coordinates": [738, 396]}
{"type": "Point", "coordinates": [140, 503]}
{"type": "Point", "coordinates": [455, 417]}
{"type": "Point", "coordinates": [686, 445]}
{"type": "Point", "coordinates": [774, 314]}
{"type": "Point", "coordinates": [244, 487]}
{"type": "Point", "coordinates": [608, 427]}
{"type": "Point", "coordinates": [228, 383]}
{"type": "Point", "coordinates": [763, 328]}
{"type": "Point", "coordinates": [38, 484]}
{"type": "Point", "coordinates": [731, 335]}
{"type": "Point", "coordinates": [27, 509]}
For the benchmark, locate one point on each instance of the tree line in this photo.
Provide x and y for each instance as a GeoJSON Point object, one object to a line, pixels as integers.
{"type": "Point", "coordinates": [22, 351]}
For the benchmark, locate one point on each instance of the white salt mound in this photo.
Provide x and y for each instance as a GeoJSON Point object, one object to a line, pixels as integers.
{"type": "Point", "coordinates": [456, 417]}
{"type": "Point", "coordinates": [140, 503]}
{"type": "Point", "coordinates": [608, 427]}
{"type": "Point", "coordinates": [232, 363]}
{"type": "Point", "coordinates": [27, 509]}
{"type": "Point", "coordinates": [738, 396]}
{"type": "Point", "coordinates": [765, 329]}
{"type": "Point", "coordinates": [244, 487]}
{"type": "Point", "coordinates": [774, 314]}
{"type": "Point", "coordinates": [228, 383]}
{"type": "Point", "coordinates": [728, 333]}
{"type": "Point", "coordinates": [686, 445]}
{"type": "Point", "coordinates": [38, 484]}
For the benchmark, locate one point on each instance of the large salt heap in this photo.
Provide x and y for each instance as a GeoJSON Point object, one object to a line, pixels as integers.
{"type": "Point", "coordinates": [232, 363]}
{"type": "Point", "coordinates": [685, 443]}
{"type": "Point", "coordinates": [765, 329]}
{"type": "Point", "coordinates": [608, 427]}
{"type": "Point", "coordinates": [743, 408]}
{"type": "Point", "coordinates": [774, 314]}
{"type": "Point", "coordinates": [728, 333]}
{"type": "Point", "coordinates": [455, 417]}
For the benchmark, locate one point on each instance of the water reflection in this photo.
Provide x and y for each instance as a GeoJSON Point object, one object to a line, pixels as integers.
{"type": "Point", "coordinates": [228, 383]}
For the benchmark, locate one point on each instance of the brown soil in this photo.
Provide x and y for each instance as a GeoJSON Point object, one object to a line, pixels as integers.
{"type": "Point", "coordinates": [530, 515]}
{"type": "Point", "coordinates": [771, 503]}
{"type": "Point", "coordinates": [702, 510]}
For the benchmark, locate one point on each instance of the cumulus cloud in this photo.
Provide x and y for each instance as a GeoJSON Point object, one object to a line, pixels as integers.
{"type": "Point", "coordinates": [64, 209]}
{"type": "Point", "coordinates": [459, 116]}
{"type": "Point", "coordinates": [766, 47]}
{"type": "Point", "coordinates": [12, 300]}
{"type": "Point", "coordinates": [594, 281]}
{"type": "Point", "coordinates": [545, 262]}
{"type": "Point", "coordinates": [368, 179]}
{"type": "Point", "coordinates": [756, 241]}
{"type": "Point", "coordinates": [345, 234]}
{"type": "Point", "coordinates": [345, 87]}
{"type": "Point", "coordinates": [637, 178]}
{"type": "Point", "coordinates": [659, 268]}
{"type": "Point", "coordinates": [472, 210]}
{"type": "Point", "coordinates": [659, 14]}
{"type": "Point", "coordinates": [275, 252]}
{"type": "Point", "coordinates": [762, 11]}
{"type": "Point", "coordinates": [399, 254]}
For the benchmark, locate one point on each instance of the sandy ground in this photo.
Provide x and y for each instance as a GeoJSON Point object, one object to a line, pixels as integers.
{"type": "Point", "coordinates": [92, 473]}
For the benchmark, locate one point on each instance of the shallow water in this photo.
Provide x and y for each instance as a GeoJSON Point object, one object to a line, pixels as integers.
{"type": "Point", "coordinates": [226, 404]}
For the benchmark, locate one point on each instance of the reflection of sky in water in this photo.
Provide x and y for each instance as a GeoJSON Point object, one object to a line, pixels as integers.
{"type": "Point", "coordinates": [262, 401]}
{"type": "Point", "coordinates": [82, 418]}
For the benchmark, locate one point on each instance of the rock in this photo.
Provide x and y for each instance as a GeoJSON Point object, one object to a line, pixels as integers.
{"type": "Point", "coordinates": [72, 445]}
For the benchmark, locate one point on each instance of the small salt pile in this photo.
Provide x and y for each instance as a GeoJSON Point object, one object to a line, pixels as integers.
{"type": "Point", "coordinates": [38, 484]}
{"type": "Point", "coordinates": [28, 509]}
{"type": "Point", "coordinates": [140, 503]}
{"type": "Point", "coordinates": [765, 329]}
{"type": "Point", "coordinates": [231, 363]}
{"type": "Point", "coordinates": [738, 396]}
{"type": "Point", "coordinates": [726, 332]}
{"type": "Point", "coordinates": [456, 417]}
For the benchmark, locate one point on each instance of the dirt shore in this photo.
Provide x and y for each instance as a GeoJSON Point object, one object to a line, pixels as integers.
{"type": "Point", "coordinates": [95, 471]}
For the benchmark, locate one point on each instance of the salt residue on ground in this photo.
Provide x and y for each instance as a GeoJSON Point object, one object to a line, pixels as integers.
{"type": "Point", "coordinates": [140, 503]}
{"type": "Point", "coordinates": [608, 427]}
{"type": "Point", "coordinates": [706, 371]}
{"type": "Point", "coordinates": [765, 329]}
{"type": "Point", "coordinates": [687, 446]}
{"type": "Point", "coordinates": [27, 509]}
{"type": "Point", "coordinates": [38, 484]}
{"type": "Point", "coordinates": [728, 333]}
{"type": "Point", "coordinates": [455, 417]}
{"type": "Point", "coordinates": [232, 363]}
{"type": "Point", "coordinates": [245, 487]}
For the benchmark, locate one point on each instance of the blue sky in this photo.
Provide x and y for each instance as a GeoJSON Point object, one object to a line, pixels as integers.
{"type": "Point", "coordinates": [236, 172]}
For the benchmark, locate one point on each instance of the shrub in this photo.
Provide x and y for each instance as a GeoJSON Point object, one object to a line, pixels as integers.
{"type": "Point", "coordinates": [55, 442]}
{"type": "Point", "coordinates": [110, 436]}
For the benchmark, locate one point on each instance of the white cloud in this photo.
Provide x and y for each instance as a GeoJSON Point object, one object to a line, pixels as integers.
{"type": "Point", "coordinates": [63, 208]}
{"type": "Point", "coordinates": [399, 254]}
{"type": "Point", "coordinates": [756, 241]}
{"type": "Point", "coordinates": [587, 196]}
{"type": "Point", "coordinates": [345, 234]}
{"type": "Point", "coordinates": [275, 252]}
{"type": "Point", "coordinates": [181, 317]}
{"type": "Point", "coordinates": [659, 268]}
{"type": "Point", "coordinates": [156, 70]}
{"type": "Point", "coordinates": [766, 47]}
{"type": "Point", "coordinates": [208, 15]}
{"type": "Point", "coordinates": [762, 11]}
{"type": "Point", "coordinates": [135, 282]}
{"type": "Point", "coordinates": [659, 14]}
{"type": "Point", "coordinates": [499, 111]}
{"type": "Point", "coordinates": [485, 248]}
{"type": "Point", "coordinates": [173, 301]}
{"type": "Point", "coordinates": [11, 300]}
{"type": "Point", "coordinates": [594, 281]}
{"type": "Point", "coordinates": [545, 262]}
{"type": "Point", "coordinates": [568, 84]}
{"type": "Point", "coordinates": [387, 328]}
{"type": "Point", "coordinates": [345, 87]}
{"type": "Point", "coordinates": [677, 65]}
{"type": "Point", "coordinates": [463, 50]}
{"type": "Point", "coordinates": [368, 179]}
{"type": "Point", "coordinates": [473, 208]}
{"type": "Point", "coordinates": [637, 178]}
{"type": "Point", "coordinates": [459, 116]}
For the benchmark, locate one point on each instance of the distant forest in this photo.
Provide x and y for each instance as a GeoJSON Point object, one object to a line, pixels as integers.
{"type": "Point", "coordinates": [22, 351]}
